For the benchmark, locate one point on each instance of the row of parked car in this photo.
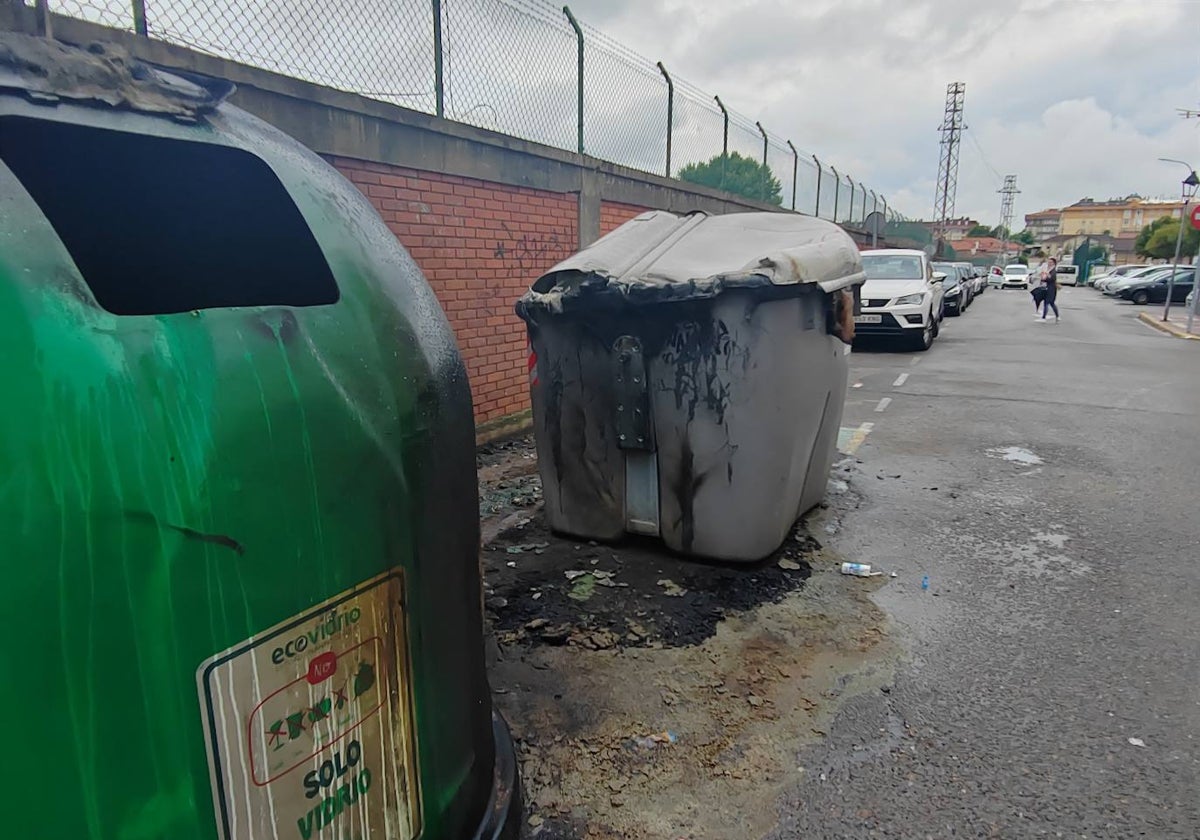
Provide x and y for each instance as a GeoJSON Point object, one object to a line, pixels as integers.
{"type": "Point", "coordinates": [1142, 284]}
{"type": "Point", "coordinates": [907, 296]}
{"type": "Point", "coordinates": [1018, 276]}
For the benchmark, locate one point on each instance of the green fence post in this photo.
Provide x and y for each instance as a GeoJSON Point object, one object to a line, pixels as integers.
{"type": "Point", "coordinates": [579, 71]}
{"type": "Point", "coordinates": [438, 82]}
{"type": "Point", "coordinates": [670, 112]}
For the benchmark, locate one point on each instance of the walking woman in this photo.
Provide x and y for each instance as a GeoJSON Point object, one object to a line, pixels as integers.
{"type": "Point", "coordinates": [1051, 281]}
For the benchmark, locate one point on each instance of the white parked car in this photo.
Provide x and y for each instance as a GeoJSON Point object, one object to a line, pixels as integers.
{"type": "Point", "coordinates": [1114, 279]}
{"type": "Point", "coordinates": [1016, 276]}
{"type": "Point", "coordinates": [1114, 273]}
{"type": "Point", "coordinates": [902, 297]}
{"type": "Point", "coordinates": [1067, 275]}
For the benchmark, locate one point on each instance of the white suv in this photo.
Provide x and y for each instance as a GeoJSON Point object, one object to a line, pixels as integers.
{"type": "Point", "coordinates": [902, 297]}
{"type": "Point", "coordinates": [1016, 276]}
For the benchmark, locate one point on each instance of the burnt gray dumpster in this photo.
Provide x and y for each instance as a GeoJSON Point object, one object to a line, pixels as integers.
{"type": "Point", "coordinates": [689, 378]}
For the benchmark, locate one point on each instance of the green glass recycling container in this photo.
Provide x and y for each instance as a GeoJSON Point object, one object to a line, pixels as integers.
{"type": "Point", "coordinates": [238, 509]}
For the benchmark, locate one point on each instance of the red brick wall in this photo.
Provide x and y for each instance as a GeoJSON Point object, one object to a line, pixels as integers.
{"type": "Point", "coordinates": [480, 245]}
{"type": "Point", "coordinates": [614, 214]}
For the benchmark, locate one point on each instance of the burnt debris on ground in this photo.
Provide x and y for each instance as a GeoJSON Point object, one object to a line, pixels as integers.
{"type": "Point", "coordinates": [652, 695]}
{"type": "Point", "coordinates": [549, 590]}
{"type": "Point", "coordinates": [508, 477]}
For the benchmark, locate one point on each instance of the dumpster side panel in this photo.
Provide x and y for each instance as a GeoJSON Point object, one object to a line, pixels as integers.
{"type": "Point", "coordinates": [740, 398]}
{"type": "Point", "coordinates": [825, 447]}
{"type": "Point", "coordinates": [574, 407]}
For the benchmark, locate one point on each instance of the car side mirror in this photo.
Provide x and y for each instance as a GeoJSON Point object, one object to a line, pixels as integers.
{"type": "Point", "coordinates": [939, 275]}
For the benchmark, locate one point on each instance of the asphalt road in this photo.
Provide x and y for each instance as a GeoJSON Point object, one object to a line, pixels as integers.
{"type": "Point", "coordinates": [1061, 620]}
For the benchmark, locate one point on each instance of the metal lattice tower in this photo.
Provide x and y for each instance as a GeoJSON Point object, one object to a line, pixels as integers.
{"type": "Point", "coordinates": [1007, 193]}
{"type": "Point", "coordinates": [947, 182]}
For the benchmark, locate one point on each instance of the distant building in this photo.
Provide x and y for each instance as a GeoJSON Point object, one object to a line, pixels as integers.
{"type": "Point", "coordinates": [1115, 217]}
{"type": "Point", "coordinates": [1043, 224]}
{"type": "Point", "coordinates": [956, 229]}
{"type": "Point", "coordinates": [981, 246]}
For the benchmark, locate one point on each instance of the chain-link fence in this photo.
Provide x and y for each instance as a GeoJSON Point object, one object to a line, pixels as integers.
{"type": "Point", "coordinates": [520, 67]}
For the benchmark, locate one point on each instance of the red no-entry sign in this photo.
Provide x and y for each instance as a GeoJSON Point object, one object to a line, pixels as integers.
{"type": "Point", "coordinates": [1196, 217]}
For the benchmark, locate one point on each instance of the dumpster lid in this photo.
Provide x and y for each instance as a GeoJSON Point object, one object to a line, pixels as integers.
{"type": "Point", "coordinates": [103, 74]}
{"type": "Point", "coordinates": [660, 256]}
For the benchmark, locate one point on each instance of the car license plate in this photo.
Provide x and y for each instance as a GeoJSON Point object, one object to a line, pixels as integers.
{"type": "Point", "coordinates": [868, 319]}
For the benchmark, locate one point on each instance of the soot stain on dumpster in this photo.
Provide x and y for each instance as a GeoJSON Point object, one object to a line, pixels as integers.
{"type": "Point", "coordinates": [685, 492]}
{"type": "Point", "coordinates": [545, 589]}
{"type": "Point", "coordinates": [222, 540]}
{"type": "Point", "coordinates": [697, 349]}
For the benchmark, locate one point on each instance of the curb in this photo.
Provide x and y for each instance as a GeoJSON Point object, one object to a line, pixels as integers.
{"type": "Point", "coordinates": [1167, 327]}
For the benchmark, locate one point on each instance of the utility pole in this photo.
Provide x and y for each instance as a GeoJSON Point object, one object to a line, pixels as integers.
{"type": "Point", "coordinates": [947, 182]}
{"type": "Point", "coordinates": [1007, 193]}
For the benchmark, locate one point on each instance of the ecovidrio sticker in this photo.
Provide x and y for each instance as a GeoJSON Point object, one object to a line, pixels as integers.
{"type": "Point", "coordinates": [309, 724]}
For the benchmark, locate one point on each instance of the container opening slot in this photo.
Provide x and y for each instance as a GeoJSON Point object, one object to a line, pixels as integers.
{"type": "Point", "coordinates": [158, 225]}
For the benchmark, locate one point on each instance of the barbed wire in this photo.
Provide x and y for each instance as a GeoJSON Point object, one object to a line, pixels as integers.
{"type": "Point", "coordinates": [506, 65]}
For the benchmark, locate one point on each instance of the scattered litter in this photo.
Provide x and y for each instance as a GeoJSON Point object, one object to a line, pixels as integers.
{"type": "Point", "coordinates": [571, 574]}
{"type": "Point", "coordinates": [1137, 742]}
{"type": "Point", "coordinates": [893, 574]}
{"type": "Point", "coordinates": [512, 564]}
{"type": "Point", "coordinates": [521, 548]}
{"type": "Point", "coordinates": [593, 640]}
{"type": "Point", "coordinates": [837, 486]}
{"type": "Point", "coordinates": [637, 631]}
{"type": "Point", "coordinates": [536, 595]}
{"type": "Point", "coordinates": [604, 579]}
{"type": "Point", "coordinates": [537, 624]}
{"type": "Point", "coordinates": [497, 602]}
{"type": "Point", "coordinates": [658, 739]}
{"type": "Point", "coordinates": [789, 565]}
{"type": "Point", "coordinates": [583, 587]}
{"type": "Point", "coordinates": [859, 570]}
{"type": "Point", "coordinates": [672, 588]}
{"type": "Point", "coordinates": [1015, 454]}
{"type": "Point", "coordinates": [856, 385]}
{"type": "Point", "coordinates": [925, 582]}
{"type": "Point", "coordinates": [535, 821]}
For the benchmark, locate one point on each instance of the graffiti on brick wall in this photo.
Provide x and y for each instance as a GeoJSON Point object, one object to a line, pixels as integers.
{"type": "Point", "coordinates": [529, 250]}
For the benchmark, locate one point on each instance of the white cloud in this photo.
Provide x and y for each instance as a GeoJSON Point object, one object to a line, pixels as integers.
{"type": "Point", "coordinates": [1075, 97]}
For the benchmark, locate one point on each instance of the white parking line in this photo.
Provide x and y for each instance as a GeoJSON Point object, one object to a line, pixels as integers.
{"type": "Point", "coordinates": [900, 380]}
{"type": "Point", "coordinates": [883, 403]}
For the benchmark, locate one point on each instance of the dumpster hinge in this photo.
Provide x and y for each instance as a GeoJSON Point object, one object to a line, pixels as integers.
{"type": "Point", "coordinates": [635, 436]}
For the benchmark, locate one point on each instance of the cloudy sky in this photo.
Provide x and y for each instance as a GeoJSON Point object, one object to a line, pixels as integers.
{"type": "Point", "coordinates": [1076, 97]}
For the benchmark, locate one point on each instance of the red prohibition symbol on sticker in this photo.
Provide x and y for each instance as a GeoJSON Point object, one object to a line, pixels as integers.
{"type": "Point", "coordinates": [322, 668]}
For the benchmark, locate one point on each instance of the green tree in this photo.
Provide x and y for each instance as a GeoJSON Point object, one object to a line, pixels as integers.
{"type": "Point", "coordinates": [1143, 237]}
{"type": "Point", "coordinates": [1157, 239]}
{"type": "Point", "coordinates": [1025, 237]}
{"type": "Point", "coordinates": [735, 174]}
{"type": "Point", "coordinates": [980, 230]}
{"type": "Point", "coordinates": [1000, 232]}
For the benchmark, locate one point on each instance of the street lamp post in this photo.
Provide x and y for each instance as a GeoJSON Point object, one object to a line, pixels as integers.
{"type": "Point", "coordinates": [1188, 191]}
